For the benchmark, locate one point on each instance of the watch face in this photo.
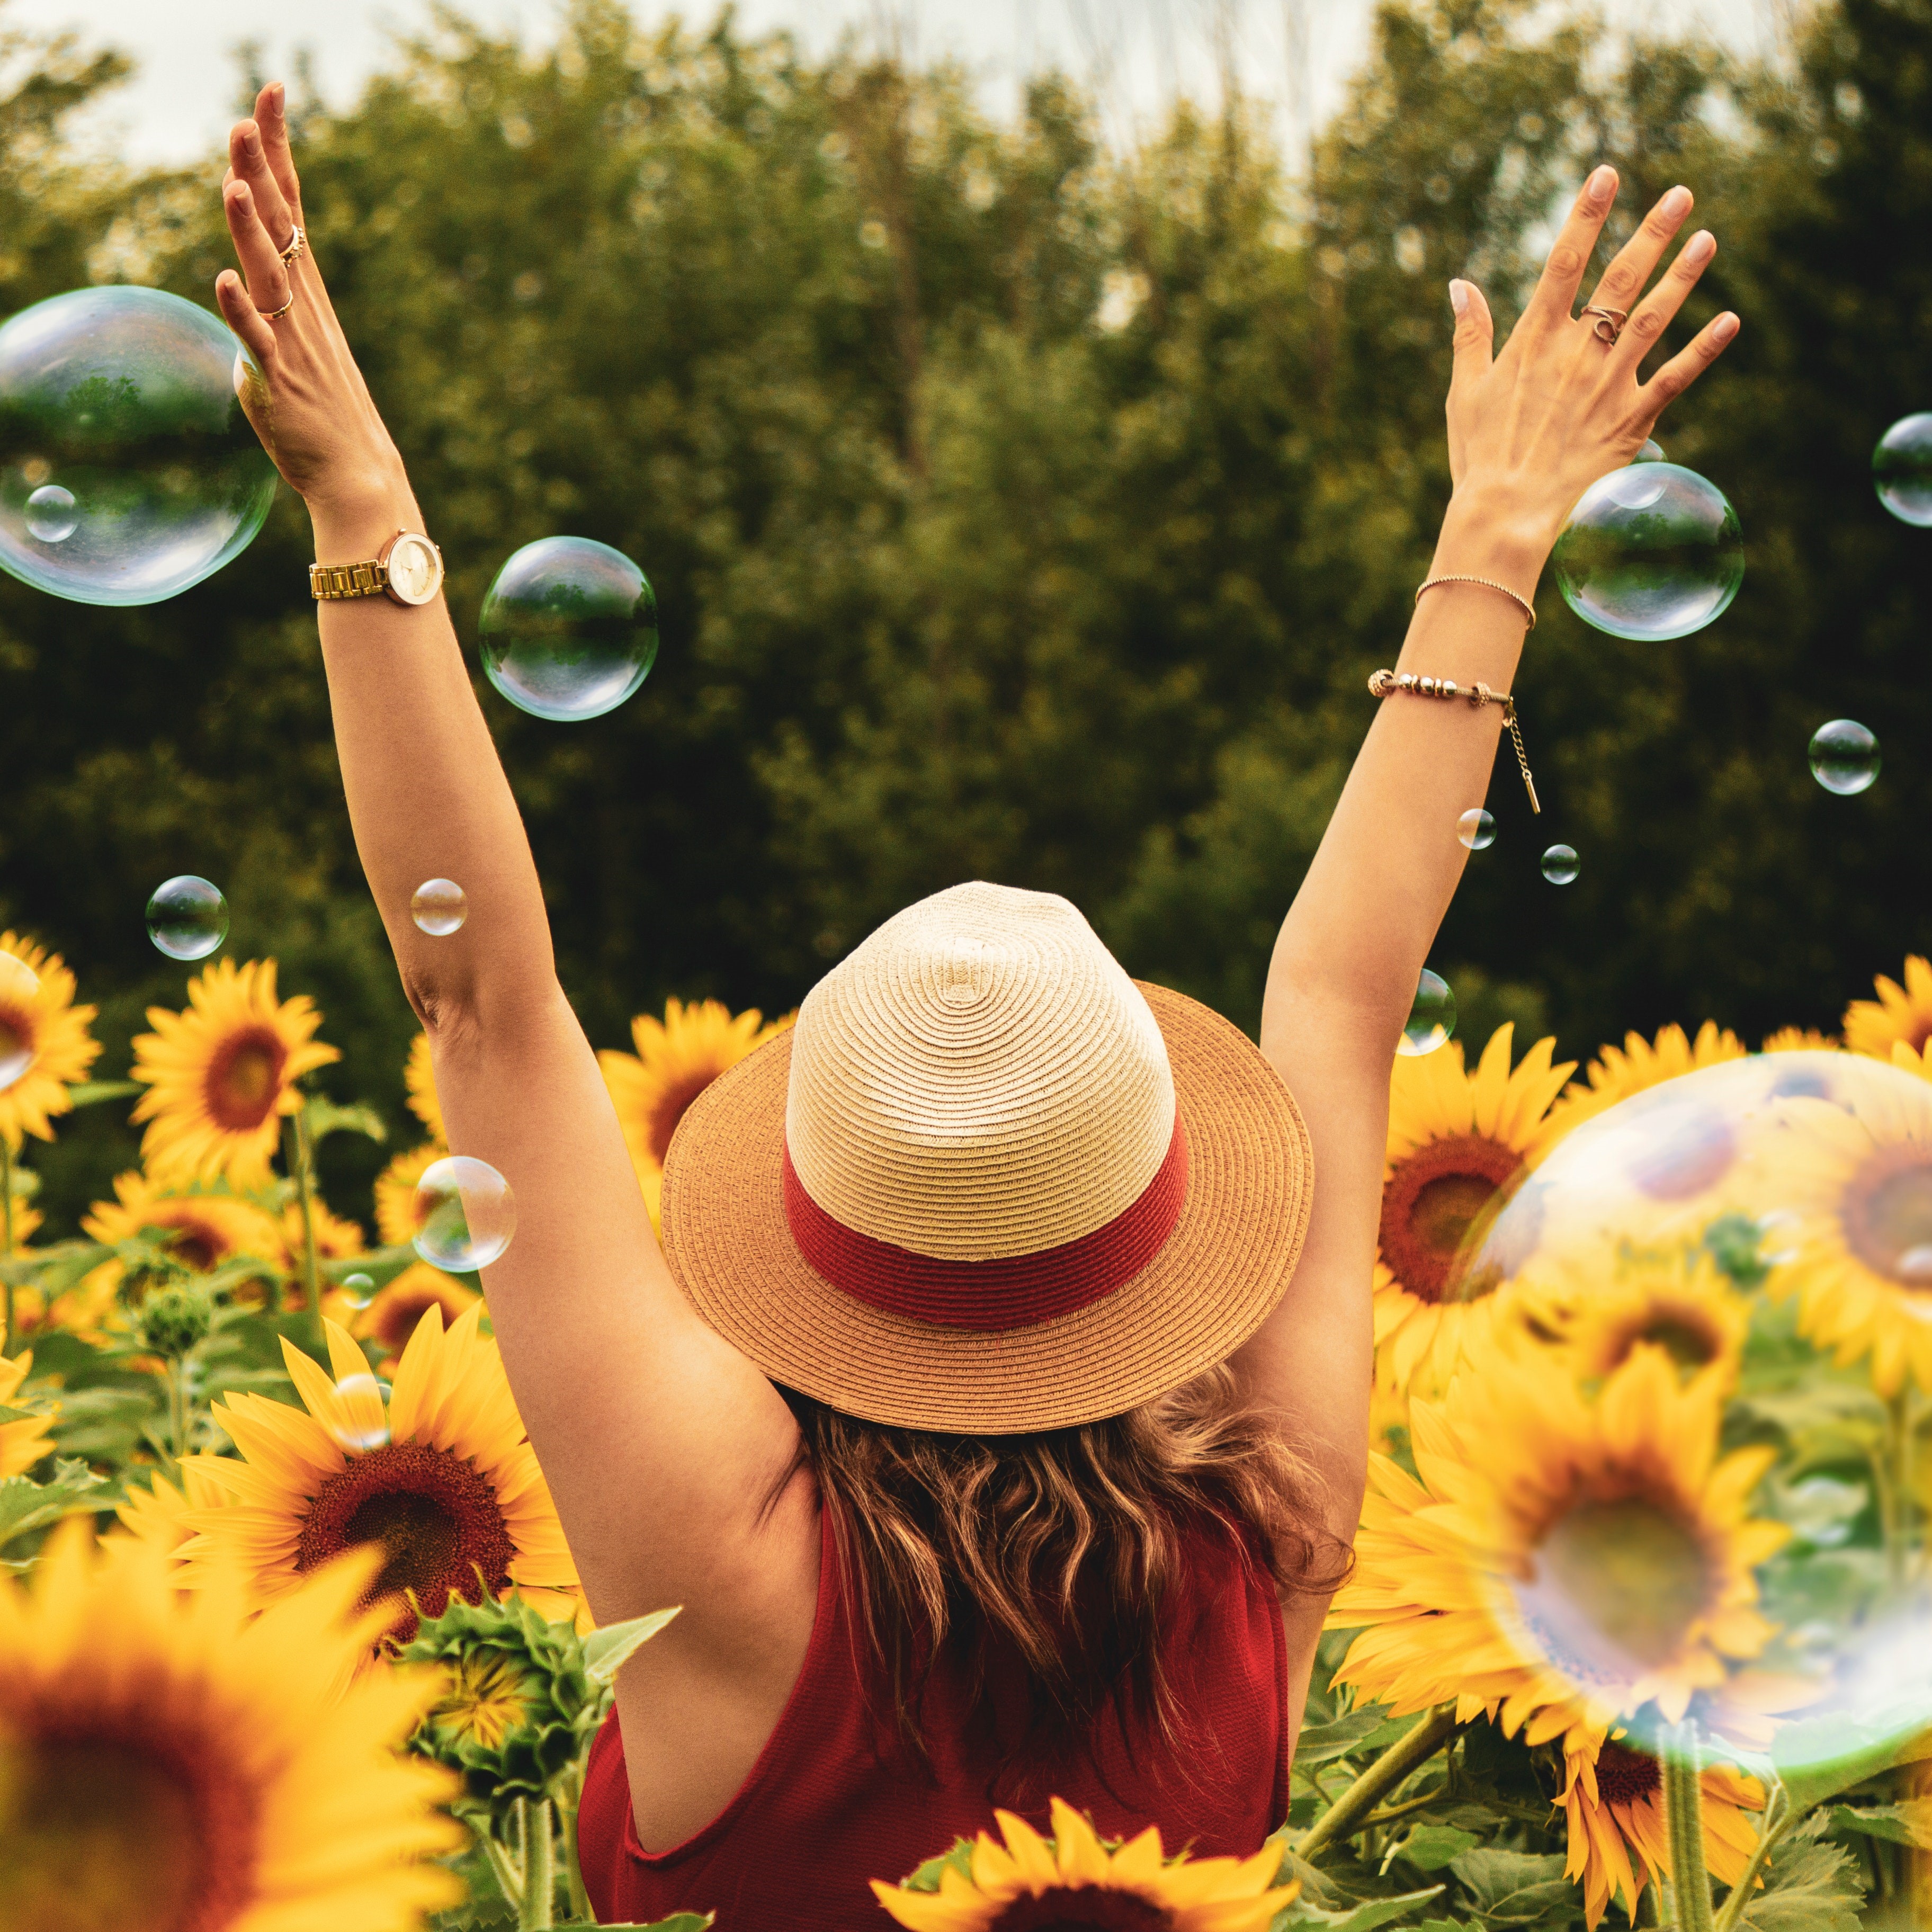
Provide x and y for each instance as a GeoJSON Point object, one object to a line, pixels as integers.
{"type": "Point", "coordinates": [415, 570]}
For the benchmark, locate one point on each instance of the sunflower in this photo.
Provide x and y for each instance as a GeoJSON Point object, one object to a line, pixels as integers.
{"type": "Point", "coordinates": [1073, 1880]}
{"type": "Point", "coordinates": [22, 1443]}
{"type": "Point", "coordinates": [1618, 1840]}
{"type": "Point", "coordinates": [157, 1514]}
{"type": "Point", "coordinates": [1799, 1039]}
{"type": "Point", "coordinates": [1899, 1013]}
{"type": "Point", "coordinates": [1617, 1073]}
{"type": "Point", "coordinates": [336, 1240]}
{"type": "Point", "coordinates": [1458, 1145]}
{"type": "Point", "coordinates": [1561, 1561]}
{"type": "Point", "coordinates": [419, 1078]}
{"type": "Point", "coordinates": [201, 1229]}
{"type": "Point", "coordinates": [393, 1313]}
{"type": "Point", "coordinates": [677, 1057]}
{"type": "Point", "coordinates": [1677, 1299]}
{"type": "Point", "coordinates": [38, 1017]}
{"type": "Point", "coordinates": [1852, 1221]}
{"type": "Point", "coordinates": [176, 1760]}
{"type": "Point", "coordinates": [396, 1220]}
{"type": "Point", "coordinates": [221, 1076]}
{"type": "Point", "coordinates": [440, 1474]}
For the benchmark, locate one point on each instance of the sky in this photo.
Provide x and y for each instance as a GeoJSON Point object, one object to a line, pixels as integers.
{"type": "Point", "coordinates": [1138, 53]}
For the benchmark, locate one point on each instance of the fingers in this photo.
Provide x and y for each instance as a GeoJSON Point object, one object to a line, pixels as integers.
{"type": "Point", "coordinates": [248, 162]}
{"type": "Point", "coordinates": [1684, 367]}
{"type": "Point", "coordinates": [1556, 291]}
{"type": "Point", "coordinates": [268, 284]}
{"type": "Point", "coordinates": [1475, 333]}
{"type": "Point", "coordinates": [1648, 325]}
{"type": "Point", "coordinates": [1623, 281]}
{"type": "Point", "coordinates": [271, 117]}
{"type": "Point", "coordinates": [245, 318]}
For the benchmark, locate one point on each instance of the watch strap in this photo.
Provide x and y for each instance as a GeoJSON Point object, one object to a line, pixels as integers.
{"type": "Point", "coordinates": [328, 580]}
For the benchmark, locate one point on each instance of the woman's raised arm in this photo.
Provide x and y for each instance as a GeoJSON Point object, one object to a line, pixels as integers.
{"type": "Point", "coordinates": [1529, 431]}
{"type": "Point", "coordinates": [659, 1441]}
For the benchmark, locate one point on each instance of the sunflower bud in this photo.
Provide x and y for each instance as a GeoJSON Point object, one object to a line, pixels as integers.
{"type": "Point", "coordinates": [173, 1320]}
{"type": "Point", "coordinates": [517, 1701]}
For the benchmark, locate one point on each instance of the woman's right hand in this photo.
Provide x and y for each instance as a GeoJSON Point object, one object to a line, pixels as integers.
{"type": "Point", "coordinates": [305, 396]}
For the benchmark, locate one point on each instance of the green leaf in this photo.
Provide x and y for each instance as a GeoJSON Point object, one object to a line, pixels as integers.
{"type": "Point", "coordinates": [1322, 1744]}
{"type": "Point", "coordinates": [323, 1117]}
{"type": "Point", "coordinates": [679, 1921]}
{"type": "Point", "coordinates": [26, 1505]}
{"type": "Point", "coordinates": [1808, 1887]}
{"type": "Point", "coordinates": [1909, 1823]}
{"type": "Point", "coordinates": [1515, 1888]}
{"type": "Point", "coordinates": [1363, 1917]}
{"type": "Point", "coordinates": [606, 1650]}
{"type": "Point", "coordinates": [1430, 1847]}
{"type": "Point", "coordinates": [87, 1093]}
{"type": "Point", "coordinates": [959, 1859]}
{"type": "Point", "coordinates": [1817, 1758]}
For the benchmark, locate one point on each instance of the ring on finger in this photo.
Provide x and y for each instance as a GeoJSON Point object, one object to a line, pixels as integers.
{"type": "Point", "coordinates": [298, 243]}
{"type": "Point", "coordinates": [271, 314]}
{"type": "Point", "coordinates": [1608, 324]}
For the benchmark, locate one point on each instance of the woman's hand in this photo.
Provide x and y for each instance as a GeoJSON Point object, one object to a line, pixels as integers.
{"type": "Point", "coordinates": [1531, 430]}
{"type": "Point", "coordinates": [309, 404]}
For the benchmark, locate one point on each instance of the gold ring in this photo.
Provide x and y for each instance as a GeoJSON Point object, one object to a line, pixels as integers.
{"type": "Point", "coordinates": [1609, 323]}
{"type": "Point", "coordinates": [270, 314]}
{"type": "Point", "coordinates": [297, 242]}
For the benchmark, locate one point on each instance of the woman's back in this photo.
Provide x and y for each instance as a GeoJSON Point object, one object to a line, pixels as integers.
{"type": "Point", "coordinates": [831, 1802]}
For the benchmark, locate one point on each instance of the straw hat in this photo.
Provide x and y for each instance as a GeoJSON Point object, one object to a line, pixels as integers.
{"type": "Point", "coordinates": [988, 1183]}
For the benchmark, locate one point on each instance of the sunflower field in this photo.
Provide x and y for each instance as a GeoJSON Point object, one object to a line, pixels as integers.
{"type": "Point", "coordinates": [291, 1636]}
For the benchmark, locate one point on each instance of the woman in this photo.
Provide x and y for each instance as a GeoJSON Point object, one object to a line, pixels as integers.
{"type": "Point", "coordinates": [996, 1409]}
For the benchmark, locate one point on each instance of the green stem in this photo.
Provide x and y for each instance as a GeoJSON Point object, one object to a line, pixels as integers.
{"type": "Point", "coordinates": [304, 1167]}
{"type": "Point", "coordinates": [539, 1910]}
{"type": "Point", "coordinates": [9, 1342]}
{"type": "Point", "coordinates": [1349, 1812]}
{"type": "Point", "coordinates": [1390, 1812]}
{"type": "Point", "coordinates": [1683, 1814]}
{"type": "Point", "coordinates": [509, 1876]}
{"type": "Point", "coordinates": [1646, 1912]}
{"type": "Point", "coordinates": [568, 1799]}
{"type": "Point", "coordinates": [1778, 1820]}
{"type": "Point", "coordinates": [178, 1406]}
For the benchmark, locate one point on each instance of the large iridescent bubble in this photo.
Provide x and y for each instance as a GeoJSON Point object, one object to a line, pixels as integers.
{"type": "Point", "coordinates": [127, 470]}
{"type": "Point", "coordinates": [1651, 552]}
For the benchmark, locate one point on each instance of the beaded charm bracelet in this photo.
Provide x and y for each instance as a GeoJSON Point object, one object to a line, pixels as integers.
{"type": "Point", "coordinates": [1384, 682]}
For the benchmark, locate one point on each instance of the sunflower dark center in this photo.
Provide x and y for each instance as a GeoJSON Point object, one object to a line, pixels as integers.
{"type": "Point", "coordinates": [671, 1106]}
{"type": "Point", "coordinates": [196, 1245]}
{"type": "Point", "coordinates": [1085, 1908]}
{"type": "Point", "coordinates": [396, 1316]}
{"type": "Point", "coordinates": [436, 1516]}
{"type": "Point", "coordinates": [16, 1043]}
{"type": "Point", "coordinates": [1432, 1203]}
{"type": "Point", "coordinates": [244, 1077]}
{"type": "Point", "coordinates": [1688, 1335]}
{"type": "Point", "coordinates": [1626, 1777]}
{"type": "Point", "coordinates": [1614, 1587]}
{"type": "Point", "coordinates": [140, 1832]}
{"type": "Point", "coordinates": [1887, 1216]}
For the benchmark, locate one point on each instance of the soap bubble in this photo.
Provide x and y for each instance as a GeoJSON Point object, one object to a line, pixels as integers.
{"type": "Point", "coordinates": [1844, 756]}
{"type": "Point", "coordinates": [359, 1290]}
{"type": "Point", "coordinates": [569, 629]}
{"type": "Point", "coordinates": [1559, 865]}
{"type": "Point", "coordinates": [187, 918]}
{"type": "Point", "coordinates": [465, 1214]}
{"type": "Point", "coordinates": [127, 470]}
{"type": "Point", "coordinates": [1902, 469]}
{"type": "Point", "coordinates": [1650, 552]}
{"type": "Point", "coordinates": [360, 1421]}
{"type": "Point", "coordinates": [1476, 829]}
{"type": "Point", "coordinates": [18, 1050]}
{"type": "Point", "coordinates": [50, 514]}
{"type": "Point", "coordinates": [1765, 1223]}
{"type": "Point", "coordinates": [438, 908]}
{"type": "Point", "coordinates": [1652, 452]}
{"type": "Point", "coordinates": [1431, 1019]}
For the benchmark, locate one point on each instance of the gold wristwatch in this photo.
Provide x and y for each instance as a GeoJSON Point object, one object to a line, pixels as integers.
{"type": "Point", "coordinates": [408, 570]}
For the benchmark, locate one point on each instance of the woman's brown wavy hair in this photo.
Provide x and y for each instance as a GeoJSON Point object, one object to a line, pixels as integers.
{"type": "Point", "coordinates": [1066, 1545]}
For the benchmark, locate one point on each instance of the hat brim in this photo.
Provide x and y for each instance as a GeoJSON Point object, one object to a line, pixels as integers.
{"type": "Point", "coordinates": [1221, 1271]}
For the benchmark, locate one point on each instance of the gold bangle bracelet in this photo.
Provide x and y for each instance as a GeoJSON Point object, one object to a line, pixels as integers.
{"type": "Point", "coordinates": [1522, 602]}
{"type": "Point", "coordinates": [1388, 683]}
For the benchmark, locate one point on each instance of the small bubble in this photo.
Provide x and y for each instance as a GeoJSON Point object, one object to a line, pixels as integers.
{"type": "Point", "coordinates": [360, 1420]}
{"type": "Point", "coordinates": [1902, 469]}
{"type": "Point", "coordinates": [1476, 829]}
{"type": "Point", "coordinates": [1844, 756]}
{"type": "Point", "coordinates": [18, 1047]}
{"type": "Point", "coordinates": [1559, 865]}
{"type": "Point", "coordinates": [438, 906]}
{"type": "Point", "coordinates": [1431, 1019]}
{"type": "Point", "coordinates": [465, 1214]}
{"type": "Point", "coordinates": [359, 1290]}
{"type": "Point", "coordinates": [187, 918]}
{"type": "Point", "coordinates": [1652, 452]}
{"type": "Point", "coordinates": [51, 515]}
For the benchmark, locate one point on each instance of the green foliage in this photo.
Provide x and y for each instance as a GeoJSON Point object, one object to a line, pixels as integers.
{"type": "Point", "coordinates": [174, 1321]}
{"type": "Point", "coordinates": [26, 1506]}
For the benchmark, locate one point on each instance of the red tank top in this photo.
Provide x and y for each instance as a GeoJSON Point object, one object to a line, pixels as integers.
{"type": "Point", "coordinates": [828, 1805]}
